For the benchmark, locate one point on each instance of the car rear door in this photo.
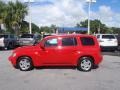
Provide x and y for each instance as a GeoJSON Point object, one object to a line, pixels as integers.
{"type": "Point", "coordinates": [67, 52]}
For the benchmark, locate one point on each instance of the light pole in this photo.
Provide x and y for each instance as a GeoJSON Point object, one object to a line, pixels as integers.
{"type": "Point", "coordinates": [30, 26]}
{"type": "Point", "coordinates": [89, 5]}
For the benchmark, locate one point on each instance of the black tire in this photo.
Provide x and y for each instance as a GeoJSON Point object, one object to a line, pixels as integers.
{"type": "Point", "coordinates": [118, 48]}
{"type": "Point", "coordinates": [85, 64]}
{"type": "Point", "coordinates": [9, 46]}
{"type": "Point", "coordinates": [5, 47]}
{"type": "Point", "coordinates": [25, 64]}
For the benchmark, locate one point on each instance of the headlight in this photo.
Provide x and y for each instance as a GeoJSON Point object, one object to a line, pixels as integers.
{"type": "Point", "coordinates": [14, 54]}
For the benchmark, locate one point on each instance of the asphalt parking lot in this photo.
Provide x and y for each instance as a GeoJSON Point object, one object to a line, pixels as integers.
{"type": "Point", "coordinates": [106, 77]}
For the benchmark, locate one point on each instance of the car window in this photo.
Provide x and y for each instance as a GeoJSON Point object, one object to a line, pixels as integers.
{"type": "Point", "coordinates": [51, 42]}
{"type": "Point", "coordinates": [11, 36]}
{"type": "Point", "coordinates": [3, 36]}
{"type": "Point", "coordinates": [37, 36]}
{"type": "Point", "coordinates": [87, 41]}
{"type": "Point", "coordinates": [108, 36]}
{"type": "Point", "coordinates": [69, 41]}
{"type": "Point", "coordinates": [27, 36]}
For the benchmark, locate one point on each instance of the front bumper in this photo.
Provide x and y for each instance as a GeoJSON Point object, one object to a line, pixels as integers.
{"type": "Point", "coordinates": [12, 60]}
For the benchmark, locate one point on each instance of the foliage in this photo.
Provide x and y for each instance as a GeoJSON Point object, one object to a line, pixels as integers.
{"type": "Point", "coordinates": [95, 26]}
{"type": "Point", "coordinates": [3, 12]}
{"type": "Point", "coordinates": [12, 14]}
{"type": "Point", "coordinates": [35, 28]}
{"type": "Point", "coordinates": [115, 30]}
{"type": "Point", "coordinates": [25, 28]}
{"type": "Point", "coordinates": [47, 29]}
{"type": "Point", "coordinates": [16, 14]}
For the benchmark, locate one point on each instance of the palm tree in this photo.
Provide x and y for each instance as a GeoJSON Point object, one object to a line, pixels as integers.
{"type": "Point", "coordinates": [16, 14]}
{"type": "Point", "coordinates": [3, 13]}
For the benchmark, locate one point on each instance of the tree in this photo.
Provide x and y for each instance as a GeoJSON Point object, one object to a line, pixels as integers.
{"type": "Point", "coordinates": [95, 26]}
{"type": "Point", "coordinates": [16, 14]}
{"type": "Point", "coordinates": [46, 29]}
{"type": "Point", "coordinates": [115, 30]}
{"type": "Point", "coordinates": [25, 28]}
{"type": "Point", "coordinates": [3, 13]}
{"type": "Point", "coordinates": [53, 28]}
{"type": "Point", "coordinates": [35, 28]}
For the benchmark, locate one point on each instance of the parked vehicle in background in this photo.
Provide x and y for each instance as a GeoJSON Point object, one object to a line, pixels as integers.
{"type": "Point", "coordinates": [118, 38]}
{"type": "Point", "coordinates": [78, 50]}
{"type": "Point", "coordinates": [8, 41]}
{"type": "Point", "coordinates": [107, 41]}
{"type": "Point", "coordinates": [29, 39]}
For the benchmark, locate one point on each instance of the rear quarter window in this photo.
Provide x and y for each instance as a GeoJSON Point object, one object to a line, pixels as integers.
{"type": "Point", "coordinates": [87, 41]}
{"type": "Point", "coordinates": [108, 36]}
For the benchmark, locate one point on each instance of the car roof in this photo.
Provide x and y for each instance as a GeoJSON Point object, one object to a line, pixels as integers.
{"type": "Point", "coordinates": [68, 35]}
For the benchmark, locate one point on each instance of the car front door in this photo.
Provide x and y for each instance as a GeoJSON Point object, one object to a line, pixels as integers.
{"type": "Point", "coordinates": [49, 53]}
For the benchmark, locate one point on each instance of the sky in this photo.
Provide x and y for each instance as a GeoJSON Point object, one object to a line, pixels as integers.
{"type": "Point", "coordinates": [67, 13]}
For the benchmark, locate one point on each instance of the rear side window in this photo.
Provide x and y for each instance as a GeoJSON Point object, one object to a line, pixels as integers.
{"type": "Point", "coordinates": [69, 41]}
{"type": "Point", "coordinates": [108, 36]}
{"type": "Point", "coordinates": [87, 41]}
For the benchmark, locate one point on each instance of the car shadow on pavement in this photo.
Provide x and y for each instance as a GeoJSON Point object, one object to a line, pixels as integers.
{"type": "Point", "coordinates": [116, 53]}
{"type": "Point", "coordinates": [56, 67]}
{"type": "Point", "coordinates": [62, 67]}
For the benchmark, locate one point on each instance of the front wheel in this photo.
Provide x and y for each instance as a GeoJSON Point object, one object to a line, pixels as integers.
{"type": "Point", "coordinates": [25, 64]}
{"type": "Point", "coordinates": [85, 64]}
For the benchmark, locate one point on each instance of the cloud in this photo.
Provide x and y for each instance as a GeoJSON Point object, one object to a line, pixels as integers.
{"type": "Point", "coordinates": [69, 12]}
{"type": "Point", "coordinates": [60, 13]}
{"type": "Point", "coordinates": [107, 16]}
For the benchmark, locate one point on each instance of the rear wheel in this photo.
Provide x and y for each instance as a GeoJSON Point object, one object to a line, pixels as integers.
{"type": "Point", "coordinates": [85, 64]}
{"type": "Point", "coordinates": [25, 64]}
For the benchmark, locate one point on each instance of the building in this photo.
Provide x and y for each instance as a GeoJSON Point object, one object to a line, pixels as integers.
{"type": "Point", "coordinates": [72, 30]}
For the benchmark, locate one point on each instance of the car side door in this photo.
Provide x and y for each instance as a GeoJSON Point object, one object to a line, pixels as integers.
{"type": "Point", "coordinates": [48, 54]}
{"type": "Point", "coordinates": [68, 51]}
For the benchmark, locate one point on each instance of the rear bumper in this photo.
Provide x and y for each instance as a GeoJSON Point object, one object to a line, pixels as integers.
{"type": "Point", "coordinates": [109, 47]}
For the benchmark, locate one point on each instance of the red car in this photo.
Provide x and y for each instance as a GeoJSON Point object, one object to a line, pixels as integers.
{"type": "Point", "coordinates": [77, 50]}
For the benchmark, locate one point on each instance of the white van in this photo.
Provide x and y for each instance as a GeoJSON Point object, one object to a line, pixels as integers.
{"type": "Point", "coordinates": [107, 41]}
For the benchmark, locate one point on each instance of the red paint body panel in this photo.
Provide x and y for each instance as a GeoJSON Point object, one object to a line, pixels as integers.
{"type": "Point", "coordinates": [58, 55]}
